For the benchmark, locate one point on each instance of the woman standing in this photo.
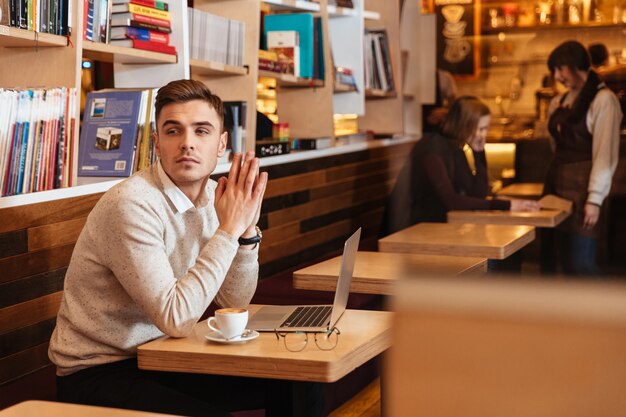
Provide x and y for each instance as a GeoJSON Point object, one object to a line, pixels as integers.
{"type": "Point", "coordinates": [447, 170]}
{"type": "Point", "coordinates": [584, 124]}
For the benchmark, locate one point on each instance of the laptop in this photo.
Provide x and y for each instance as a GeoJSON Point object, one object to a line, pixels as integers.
{"type": "Point", "coordinates": [312, 318]}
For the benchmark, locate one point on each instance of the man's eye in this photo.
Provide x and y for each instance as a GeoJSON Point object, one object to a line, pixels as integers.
{"type": "Point", "coordinates": [171, 131]}
{"type": "Point", "coordinates": [203, 131]}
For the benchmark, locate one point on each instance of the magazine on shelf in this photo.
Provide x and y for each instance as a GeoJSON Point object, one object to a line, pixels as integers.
{"type": "Point", "coordinates": [285, 44]}
{"type": "Point", "coordinates": [156, 4]}
{"type": "Point", "coordinates": [110, 131]}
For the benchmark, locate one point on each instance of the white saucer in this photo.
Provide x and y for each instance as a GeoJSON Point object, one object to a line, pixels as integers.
{"type": "Point", "coordinates": [217, 337]}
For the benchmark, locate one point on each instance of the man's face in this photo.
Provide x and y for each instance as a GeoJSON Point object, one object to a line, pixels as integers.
{"type": "Point", "coordinates": [189, 141]}
{"type": "Point", "coordinates": [570, 79]}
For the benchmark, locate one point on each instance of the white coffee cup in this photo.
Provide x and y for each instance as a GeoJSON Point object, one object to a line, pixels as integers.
{"type": "Point", "coordinates": [231, 322]}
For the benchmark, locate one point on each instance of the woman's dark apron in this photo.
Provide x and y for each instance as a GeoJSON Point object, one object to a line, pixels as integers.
{"type": "Point", "coordinates": [569, 172]}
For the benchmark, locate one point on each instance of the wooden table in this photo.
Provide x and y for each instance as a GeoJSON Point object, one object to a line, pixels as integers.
{"type": "Point", "coordinates": [376, 272]}
{"type": "Point", "coordinates": [364, 335]}
{"type": "Point", "coordinates": [484, 240]}
{"type": "Point", "coordinates": [54, 409]}
{"type": "Point", "coordinates": [514, 348]}
{"type": "Point", "coordinates": [527, 190]}
{"type": "Point", "coordinates": [541, 218]}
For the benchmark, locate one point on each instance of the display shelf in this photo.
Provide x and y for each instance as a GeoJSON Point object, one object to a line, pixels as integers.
{"type": "Point", "coordinates": [292, 5]}
{"type": "Point", "coordinates": [334, 11]}
{"type": "Point", "coordinates": [119, 54]}
{"type": "Point", "coordinates": [288, 80]}
{"type": "Point", "coordinates": [13, 37]}
{"type": "Point", "coordinates": [370, 15]}
{"type": "Point", "coordinates": [215, 68]}
{"type": "Point", "coordinates": [374, 93]}
{"type": "Point", "coordinates": [341, 88]}
{"type": "Point", "coordinates": [543, 28]}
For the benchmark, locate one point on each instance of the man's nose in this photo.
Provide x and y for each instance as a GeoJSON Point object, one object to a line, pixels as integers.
{"type": "Point", "coordinates": [187, 142]}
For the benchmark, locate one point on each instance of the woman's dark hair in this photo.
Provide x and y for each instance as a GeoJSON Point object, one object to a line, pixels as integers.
{"type": "Point", "coordinates": [182, 91]}
{"type": "Point", "coordinates": [462, 119]}
{"type": "Point", "coordinates": [598, 53]}
{"type": "Point", "coordinates": [571, 54]}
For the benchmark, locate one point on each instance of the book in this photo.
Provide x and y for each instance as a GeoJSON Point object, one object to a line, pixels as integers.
{"type": "Point", "coordinates": [285, 44]}
{"type": "Point", "coordinates": [156, 4]}
{"type": "Point", "coordinates": [265, 148]}
{"type": "Point", "coordinates": [137, 24]}
{"type": "Point", "coordinates": [303, 23]}
{"type": "Point", "coordinates": [129, 32]}
{"type": "Point", "coordinates": [235, 124]}
{"type": "Point", "coordinates": [123, 19]}
{"type": "Point", "coordinates": [5, 14]}
{"type": "Point", "coordinates": [109, 132]}
{"type": "Point", "coordinates": [145, 45]}
{"type": "Point", "coordinates": [140, 9]}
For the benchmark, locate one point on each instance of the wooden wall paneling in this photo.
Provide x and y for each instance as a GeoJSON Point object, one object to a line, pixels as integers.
{"type": "Point", "coordinates": [323, 206]}
{"type": "Point", "coordinates": [356, 182]}
{"type": "Point", "coordinates": [26, 337]}
{"type": "Point", "coordinates": [21, 266]}
{"type": "Point", "coordinates": [24, 362]}
{"type": "Point", "coordinates": [13, 243]}
{"type": "Point", "coordinates": [30, 312]}
{"type": "Point", "coordinates": [55, 234]}
{"type": "Point", "coordinates": [280, 233]}
{"type": "Point", "coordinates": [31, 287]}
{"type": "Point", "coordinates": [22, 217]}
{"type": "Point", "coordinates": [294, 183]}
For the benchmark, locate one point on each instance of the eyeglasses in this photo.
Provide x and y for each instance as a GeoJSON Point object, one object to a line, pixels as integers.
{"type": "Point", "coordinates": [297, 341]}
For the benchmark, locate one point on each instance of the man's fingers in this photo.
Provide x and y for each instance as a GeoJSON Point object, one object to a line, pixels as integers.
{"type": "Point", "coordinates": [235, 167]}
{"type": "Point", "coordinates": [245, 169]}
{"type": "Point", "coordinates": [219, 190]}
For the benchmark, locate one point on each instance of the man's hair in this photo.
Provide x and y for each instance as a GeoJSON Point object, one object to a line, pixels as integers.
{"type": "Point", "coordinates": [598, 53]}
{"type": "Point", "coordinates": [571, 54]}
{"type": "Point", "coordinates": [182, 91]}
{"type": "Point", "coordinates": [462, 119]}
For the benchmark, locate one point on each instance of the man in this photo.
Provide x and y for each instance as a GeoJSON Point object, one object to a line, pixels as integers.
{"type": "Point", "coordinates": [155, 251]}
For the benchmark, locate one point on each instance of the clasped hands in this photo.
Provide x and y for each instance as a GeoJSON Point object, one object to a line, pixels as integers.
{"type": "Point", "coordinates": [238, 198]}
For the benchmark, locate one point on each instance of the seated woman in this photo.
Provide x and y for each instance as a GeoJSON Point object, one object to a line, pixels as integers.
{"type": "Point", "coordinates": [447, 170]}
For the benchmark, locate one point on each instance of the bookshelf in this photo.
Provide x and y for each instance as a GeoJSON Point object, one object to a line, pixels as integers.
{"type": "Point", "coordinates": [307, 105]}
{"type": "Point", "coordinates": [384, 112]}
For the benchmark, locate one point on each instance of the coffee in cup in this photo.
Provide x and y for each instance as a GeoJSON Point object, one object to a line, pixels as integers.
{"type": "Point", "coordinates": [230, 322]}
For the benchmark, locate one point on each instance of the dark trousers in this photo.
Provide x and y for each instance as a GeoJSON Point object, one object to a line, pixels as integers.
{"type": "Point", "coordinates": [123, 385]}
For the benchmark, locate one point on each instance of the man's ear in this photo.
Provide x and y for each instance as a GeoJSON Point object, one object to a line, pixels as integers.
{"type": "Point", "coordinates": [157, 149]}
{"type": "Point", "coordinates": [221, 146]}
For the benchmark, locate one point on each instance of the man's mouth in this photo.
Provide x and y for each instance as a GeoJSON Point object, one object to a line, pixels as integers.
{"type": "Point", "coordinates": [187, 159]}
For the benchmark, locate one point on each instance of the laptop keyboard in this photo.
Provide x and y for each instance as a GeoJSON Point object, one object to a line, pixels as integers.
{"type": "Point", "coordinates": [313, 316]}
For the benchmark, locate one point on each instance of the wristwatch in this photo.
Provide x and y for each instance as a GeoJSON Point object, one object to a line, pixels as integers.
{"type": "Point", "coordinates": [251, 240]}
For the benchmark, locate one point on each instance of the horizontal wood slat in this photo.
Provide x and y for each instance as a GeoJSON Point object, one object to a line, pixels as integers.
{"type": "Point", "coordinates": [13, 243]}
{"type": "Point", "coordinates": [55, 234]}
{"type": "Point", "coordinates": [23, 217]}
{"type": "Point", "coordinates": [32, 287]}
{"type": "Point", "coordinates": [26, 337]}
{"type": "Point", "coordinates": [282, 232]}
{"type": "Point", "coordinates": [326, 205]}
{"type": "Point", "coordinates": [30, 312]}
{"type": "Point", "coordinates": [294, 183]}
{"type": "Point", "coordinates": [24, 362]}
{"type": "Point", "coordinates": [32, 263]}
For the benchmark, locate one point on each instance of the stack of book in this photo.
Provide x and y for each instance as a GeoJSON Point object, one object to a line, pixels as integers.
{"type": "Point", "coordinates": [309, 39]}
{"type": "Point", "coordinates": [215, 38]}
{"type": "Point", "coordinates": [378, 68]}
{"type": "Point", "coordinates": [141, 24]}
{"type": "Point", "coordinates": [44, 16]}
{"type": "Point", "coordinates": [36, 139]}
{"type": "Point", "coordinates": [268, 61]}
{"type": "Point", "coordinates": [116, 136]}
{"type": "Point", "coordinates": [285, 44]}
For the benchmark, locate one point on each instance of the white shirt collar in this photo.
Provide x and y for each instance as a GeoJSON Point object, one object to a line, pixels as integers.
{"type": "Point", "coordinates": [176, 196]}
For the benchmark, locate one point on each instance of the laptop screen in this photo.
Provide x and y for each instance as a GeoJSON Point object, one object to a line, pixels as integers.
{"type": "Point", "coordinates": [345, 276]}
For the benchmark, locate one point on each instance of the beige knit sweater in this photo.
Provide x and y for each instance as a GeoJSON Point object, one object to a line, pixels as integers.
{"type": "Point", "coordinates": [142, 269]}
